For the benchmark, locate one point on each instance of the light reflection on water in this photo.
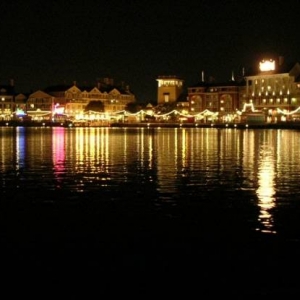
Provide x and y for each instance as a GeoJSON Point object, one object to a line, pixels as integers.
{"type": "Point", "coordinates": [172, 167]}
{"type": "Point", "coordinates": [266, 187]}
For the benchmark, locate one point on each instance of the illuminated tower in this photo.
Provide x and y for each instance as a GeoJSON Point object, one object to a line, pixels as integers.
{"type": "Point", "coordinates": [169, 89]}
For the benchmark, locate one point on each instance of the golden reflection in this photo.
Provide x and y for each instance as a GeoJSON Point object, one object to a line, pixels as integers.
{"type": "Point", "coordinates": [142, 147]}
{"type": "Point", "coordinates": [167, 166]}
{"type": "Point", "coordinates": [104, 151]}
{"type": "Point", "coordinates": [184, 149]}
{"type": "Point", "coordinates": [79, 146]}
{"type": "Point", "coordinates": [266, 190]}
{"type": "Point", "coordinates": [150, 151]}
{"type": "Point", "coordinates": [90, 156]}
{"type": "Point", "coordinates": [176, 142]}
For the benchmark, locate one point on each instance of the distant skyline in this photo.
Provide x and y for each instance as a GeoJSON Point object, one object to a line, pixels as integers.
{"type": "Point", "coordinates": [45, 43]}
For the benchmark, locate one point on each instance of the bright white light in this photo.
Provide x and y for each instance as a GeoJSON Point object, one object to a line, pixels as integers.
{"type": "Point", "coordinates": [267, 65]}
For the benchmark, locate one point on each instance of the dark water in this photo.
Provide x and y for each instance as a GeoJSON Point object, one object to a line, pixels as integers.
{"type": "Point", "coordinates": [162, 212]}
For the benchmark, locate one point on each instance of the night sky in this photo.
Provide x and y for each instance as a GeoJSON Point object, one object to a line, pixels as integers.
{"type": "Point", "coordinates": [54, 42]}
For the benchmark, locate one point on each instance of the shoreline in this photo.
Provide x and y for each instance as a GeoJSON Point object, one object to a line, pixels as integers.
{"type": "Point", "coordinates": [290, 125]}
{"type": "Point", "coordinates": [279, 125]}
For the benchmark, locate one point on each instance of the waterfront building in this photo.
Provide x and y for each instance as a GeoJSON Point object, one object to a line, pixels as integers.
{"type": "Point", "coordinates": [274, 90]}
{"type": "Point", "coordinates": [271, 94]}
{"type": "Point", "coordinates": [39, 106]}
{"type": "Point", "coordinates": [76, 99]}
{"type": "Point", "coordinates": [169, 89]}
{"type": "Point", "coordinates": [61, 102]}
{"type": "Point", "coordinates": [213, 98]}
{"type": "Point", "coordinates": [75, 102]}
{"type": "Point", "coordinates": [7, 101]}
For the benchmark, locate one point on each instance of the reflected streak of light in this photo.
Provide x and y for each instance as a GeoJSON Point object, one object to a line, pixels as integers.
{"type": "Point", "coordinates": [266, 192]}
{"type": "Point", "coordinates": [104, 150]}
{"type": "Point", "coordinates": [20, 150]}
{"type": "Point", "coordinates": [184, 148]}
{"type": "Point", "coordinates": [79, 145]}
{"type": "Point", "coordinates": [58, 151]}
{"type": "Point", "coordinates": [151, 149]}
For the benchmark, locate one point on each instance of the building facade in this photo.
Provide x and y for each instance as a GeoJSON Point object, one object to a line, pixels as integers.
{"type": "Point", "coordinates": [272, 93]}
{"type": "Point", "coordinates": [111, 100]}
{"type": "Point", "coordinates": [73, 102]}
{"type": "Point", "coordinates": [39, 106]}
{"type": "Point", "coordinates": [274, 90]}
{"type": "Point", "coordinates": [7, 101]}
{"type": "Point", "coordinates": [169, 89]}
{"type": "Point", "coordinates": [222, 99]}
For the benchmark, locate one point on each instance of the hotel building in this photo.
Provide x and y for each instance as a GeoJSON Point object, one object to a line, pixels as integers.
{"type": "Point", "coordinates": [77, 102]}
{"type": "Point", "coordinates": [169, 89]}
{"type": "Point", "coordinates": [272, 91]}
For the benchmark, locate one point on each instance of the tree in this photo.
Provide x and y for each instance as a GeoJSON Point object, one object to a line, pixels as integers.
{"type": "Point", "coordinates": [133, 107]}
{"type": "Point", "coordinates": [95, 105]}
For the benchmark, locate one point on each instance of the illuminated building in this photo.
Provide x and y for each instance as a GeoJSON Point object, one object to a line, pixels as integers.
{"type": "Point", "coordinates": [39, 106]}
{"type": "Point", "coordinates": [56, 103]}
{"type": "Point", "coordinates": [169, 89]}
{"type": "Point", "coordinates": [219, 98]}
{"type": "Point", "coordinates": [7, 102]}
{"type": "Point", "coordinates": [274, 90]}
{"type": "Point", "coordinates": [111, 98]}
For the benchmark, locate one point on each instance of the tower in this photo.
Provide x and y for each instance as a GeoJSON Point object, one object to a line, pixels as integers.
{"type": "Point", "coordinates": [169, 89]}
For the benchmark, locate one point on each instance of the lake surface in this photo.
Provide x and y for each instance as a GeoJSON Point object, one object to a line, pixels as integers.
{"type": "Point", "coordinates": [197, 211]}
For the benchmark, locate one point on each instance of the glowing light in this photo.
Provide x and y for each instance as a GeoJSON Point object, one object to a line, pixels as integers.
{"type": "Point", "coordinates": [58, 109]}
{"type": "Point", "coordinates": [250, 105]}
{"type": "Point", "coordinates": [20, 112]}
{"type": "Point", "coordinates": [285, 112]}
{"type": "Point", "coordinates": [267, 65]}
